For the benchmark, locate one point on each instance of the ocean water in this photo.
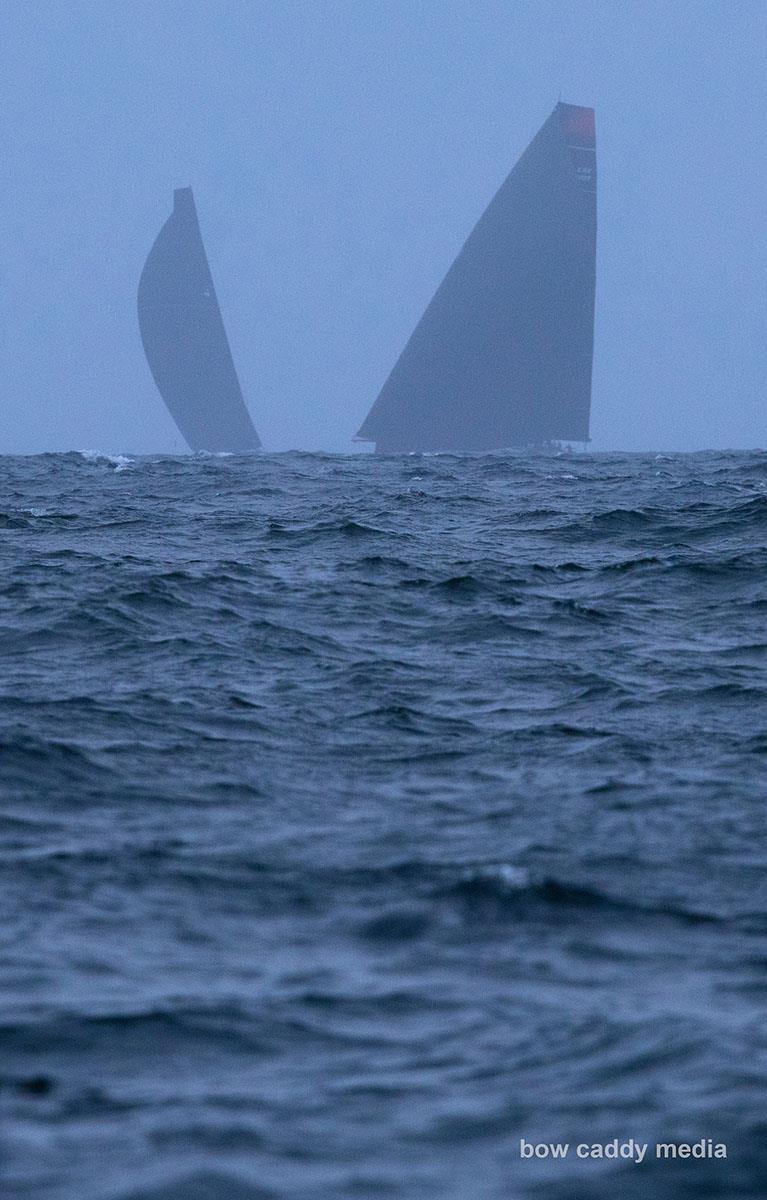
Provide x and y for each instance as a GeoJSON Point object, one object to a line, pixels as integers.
{"type": "Point", "coordinates": [362, 817]}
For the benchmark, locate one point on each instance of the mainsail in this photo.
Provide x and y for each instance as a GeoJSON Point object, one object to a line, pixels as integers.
{"type": "Point", "coordinates": [502, 356]}
{"type": "Point", "coordinates": [185, 340]}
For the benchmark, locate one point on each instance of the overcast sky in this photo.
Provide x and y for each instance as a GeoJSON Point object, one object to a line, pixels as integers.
{"type": "Point", "coordinates": [340, 152]}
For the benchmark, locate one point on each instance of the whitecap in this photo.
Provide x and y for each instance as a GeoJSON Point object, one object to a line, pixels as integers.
{"type": "Point", "coordinates": [513, 877]}
{"type": "Point", "coordinates": [118, 461]}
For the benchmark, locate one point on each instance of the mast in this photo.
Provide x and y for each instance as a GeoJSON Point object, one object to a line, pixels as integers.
{"type": "Point", "coordinates": [502, 355]}
{"type": "Point", "coordinates": [185, 341]}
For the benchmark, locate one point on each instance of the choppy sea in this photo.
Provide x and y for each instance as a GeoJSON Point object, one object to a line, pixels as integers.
{"type": "Point", "coordinates": [361, 817]}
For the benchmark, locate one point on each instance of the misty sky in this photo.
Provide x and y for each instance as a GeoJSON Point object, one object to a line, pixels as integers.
{"type": "Point", "coordinates": [340, 152]}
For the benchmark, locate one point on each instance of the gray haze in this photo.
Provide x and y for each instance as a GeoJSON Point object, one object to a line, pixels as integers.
{"type": "Point", "coordinates": [340, 153]}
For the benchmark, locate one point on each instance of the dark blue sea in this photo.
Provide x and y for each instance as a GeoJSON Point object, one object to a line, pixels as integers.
{"type": "Point", "coordinates": [362, 817]}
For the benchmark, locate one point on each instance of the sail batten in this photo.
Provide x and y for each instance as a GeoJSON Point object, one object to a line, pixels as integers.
{"type": "Point", "coordinates": [502, 355]}
{"type": "Point", "coordinates": [185, 340]}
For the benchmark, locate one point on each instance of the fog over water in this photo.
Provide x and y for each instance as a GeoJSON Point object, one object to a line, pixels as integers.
{"type": "Point", "coordinates": [340, 153]}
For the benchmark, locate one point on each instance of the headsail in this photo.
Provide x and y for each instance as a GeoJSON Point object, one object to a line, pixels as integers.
{"type": "Point", "coordinates": [185, 340]}
{"type": "Point", "coordinates": [502, 356]}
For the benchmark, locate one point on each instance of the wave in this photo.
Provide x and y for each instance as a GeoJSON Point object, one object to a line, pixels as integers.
{"type": "Point", "coordinates": [406, 895]}
{"type": "Point", "coordinates": [227, 1026]}
{"type": "Point", "coordinates": [202, 1185]}
{"type": "Point", "coordinates": [348, 798]}
{"type": "Point", "coordinates": [26, 758]}
{"type": "Point", "coordinates": [514, 891]}
{"type": "Point", "coordinates": [119, 461]}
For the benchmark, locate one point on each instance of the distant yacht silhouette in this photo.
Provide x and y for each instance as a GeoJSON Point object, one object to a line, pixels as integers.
{"type": "Point", "coordinates": [185, 340]}
{"type": "Point", "coordinates": [502, 356]}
